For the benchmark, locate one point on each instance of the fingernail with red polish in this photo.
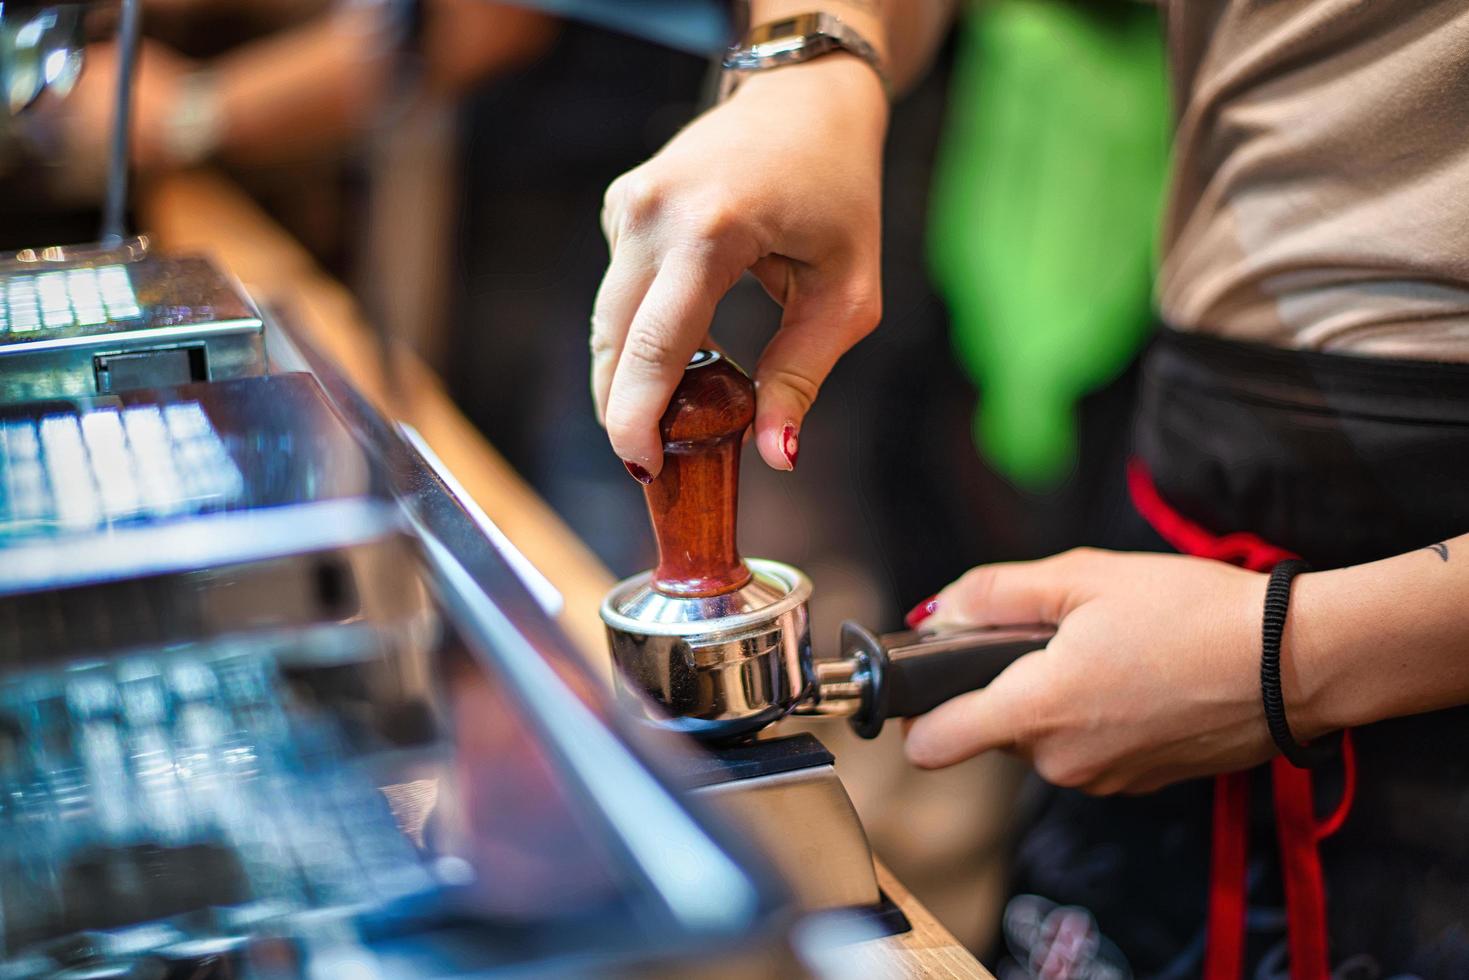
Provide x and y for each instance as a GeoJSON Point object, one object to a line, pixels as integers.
{"type": "Point", "coordinates": [638, 473]}
{"type": "Point", "coordinates": [789, 443]}
{"type": "Point", "coordinates": [922, 611]}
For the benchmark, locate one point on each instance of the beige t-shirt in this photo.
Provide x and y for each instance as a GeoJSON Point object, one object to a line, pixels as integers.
{"type": "Point", "coordinates": [1320, 193]}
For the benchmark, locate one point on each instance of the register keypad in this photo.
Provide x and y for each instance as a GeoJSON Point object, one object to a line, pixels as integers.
{"type": "Point", "coordinates": [39, 304]}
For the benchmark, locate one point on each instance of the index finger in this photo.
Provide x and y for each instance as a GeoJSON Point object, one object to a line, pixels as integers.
{"type": "Point", "coordinates": [668, 328]}
{"type": "Point", "coordinates": [1012, 593]}
{"type": "Point", "coordinates": [626, 282]}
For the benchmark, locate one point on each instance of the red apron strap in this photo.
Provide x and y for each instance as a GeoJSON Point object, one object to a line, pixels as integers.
{"type": "Point", "coordinates": [1300, 863]}
{"type": "Point", "coordinates": [1240, 548]}
{"type": "Point", "coordinates": [1295, 816]}
{"type": "Point", "coordinates": [1224, 948]}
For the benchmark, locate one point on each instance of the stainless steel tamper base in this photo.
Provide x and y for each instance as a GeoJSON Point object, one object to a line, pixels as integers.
{"type": "Point", "coordinates": [718, 668]}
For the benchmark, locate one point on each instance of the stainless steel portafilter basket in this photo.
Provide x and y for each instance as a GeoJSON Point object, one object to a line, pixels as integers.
{"type": "Point", "coordinates": [720, 667]}
{"type": "Point", "coordinates": [719, 647]}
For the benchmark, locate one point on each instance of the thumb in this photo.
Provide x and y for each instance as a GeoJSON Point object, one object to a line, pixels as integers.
{"type": "Point", "coordinates": [993, 717]}
{"type": "Point", "coordinates": [1017, 593]}
{"type": "Point", "coordinates": [825, 315]}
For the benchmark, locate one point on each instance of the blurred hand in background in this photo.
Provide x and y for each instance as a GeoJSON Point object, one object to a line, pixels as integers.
{"type": "Point", "coordinates": [304, 92]}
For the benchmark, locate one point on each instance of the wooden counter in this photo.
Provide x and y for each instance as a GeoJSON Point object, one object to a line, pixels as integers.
{"type": "Point", "coordinates": [204, 212]}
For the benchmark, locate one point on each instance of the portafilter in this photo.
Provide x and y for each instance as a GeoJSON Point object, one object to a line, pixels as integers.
{"type": "Point", "coordinates": [717, 646]}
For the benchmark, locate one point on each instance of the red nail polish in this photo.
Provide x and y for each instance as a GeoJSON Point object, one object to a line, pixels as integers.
{"type": "Point", "coordinates": [638, 473]}
{"type": "Point", "coordinates": [920, 612]}
{"type": "Point", "coordinates": [789, 443]}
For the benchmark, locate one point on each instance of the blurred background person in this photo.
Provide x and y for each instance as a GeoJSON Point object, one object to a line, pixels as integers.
{"type": "Point", "coordinates": [279, 93]}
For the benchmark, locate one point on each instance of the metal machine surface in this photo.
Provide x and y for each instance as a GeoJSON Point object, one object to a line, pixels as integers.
{"type": "Point", "coordinates": [199, 812]}
{"type": "Point", "coordinates": [275, 702]}
{"type": "Point", "coordinates": [172, 515]}
{"type": "Point", "coordinates": [87, 321]}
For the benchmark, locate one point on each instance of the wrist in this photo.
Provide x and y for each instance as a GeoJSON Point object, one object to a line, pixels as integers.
{"type": "Point", "coordinates": [1317, 664]}
{"type": "Point", "coordinates": [190, 128]}
{"type": "Point", "coordinates": [801, 37]}
{"type": "Point", "coordinates": [838, 78]}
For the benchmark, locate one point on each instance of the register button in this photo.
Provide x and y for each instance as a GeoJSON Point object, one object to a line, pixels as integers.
{"type": "Point", "coordinates": [150, 369]}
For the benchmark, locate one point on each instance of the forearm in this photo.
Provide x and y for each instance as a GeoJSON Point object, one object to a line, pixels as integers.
{"type": "Point", "coordinates": [905, 32]}
{"type": "Point", "coordinates": [1378, 641]}
{"type": "Point", "coordinates": [288, 96]}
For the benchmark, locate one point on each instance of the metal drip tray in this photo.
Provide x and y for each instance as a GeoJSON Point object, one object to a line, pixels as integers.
{"type": "Point", "coordinates": [137, 793]}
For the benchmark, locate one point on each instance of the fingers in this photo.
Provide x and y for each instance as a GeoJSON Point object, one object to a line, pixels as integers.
{"type": "Point", "coordinates": [1014, 593]}
{"type": "Point", "coordinates": [668, 327]}
{"type": "Point", "coordinates": [825, 315]}
{"type": "Point", "coordinates": [622, 290]}
{"type": "Point", "coordinates": [1008, 712]}
{"type": "Point", "coordinates": [999, 716]}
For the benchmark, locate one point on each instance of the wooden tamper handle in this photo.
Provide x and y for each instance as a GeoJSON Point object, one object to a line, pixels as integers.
{"type": "Point", "coordinates": [693, 499]}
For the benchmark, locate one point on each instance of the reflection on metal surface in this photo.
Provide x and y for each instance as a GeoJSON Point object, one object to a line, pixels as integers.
{"type": "Point", "coordinates": [136, 792]}
{"type": "Point", "coordinates": [702, 886]}
{"type": "Point", "coordinates": [531, 577]}
{"type": "Point", "coordinates": [147, 459]}
{"type": "Point", "coordinates": [806, 823]}
{"type": "Point", "coordinates": [29, 260]}
{"type": "Point", "coordinates": [41, 48]}
{"type": "Point", "coordinates": [94, 468]}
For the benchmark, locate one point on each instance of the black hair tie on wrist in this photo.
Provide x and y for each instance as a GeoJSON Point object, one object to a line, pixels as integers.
{"type": "Point", "coordinates": [1277, 602]}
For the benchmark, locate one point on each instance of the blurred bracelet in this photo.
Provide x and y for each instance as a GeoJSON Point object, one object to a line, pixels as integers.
{"type": "Point", "coordinates": [191, 132]}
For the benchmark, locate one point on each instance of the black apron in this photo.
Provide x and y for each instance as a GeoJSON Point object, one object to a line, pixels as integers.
{"type": "Point", "coordinates": [1341, 460]}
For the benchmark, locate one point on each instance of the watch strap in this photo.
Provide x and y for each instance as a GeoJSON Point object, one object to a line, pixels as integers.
{"type": "Point", "coordinates": [794, 40]}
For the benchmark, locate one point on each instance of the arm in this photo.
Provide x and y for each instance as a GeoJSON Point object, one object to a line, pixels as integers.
{"type": "Point", "coordinates": [781, 180]}
{"type": "Point", "coordinates": [1154, 673]}
{"type": "Point", "coordinates": [1378, 641]}
{"type": "Point", "coordinates": [317, 86]}
{"type": "Point", "coordinates": [303, 92]}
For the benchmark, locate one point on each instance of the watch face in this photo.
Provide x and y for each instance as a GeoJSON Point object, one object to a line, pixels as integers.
{"type": "Point", "coordinates": [786, 36]}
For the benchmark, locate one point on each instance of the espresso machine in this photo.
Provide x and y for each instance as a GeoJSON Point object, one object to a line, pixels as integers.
{"type": "Point", "coordinates": [276, 701]}
{"type": "Point", "coordinates": [717, 648]}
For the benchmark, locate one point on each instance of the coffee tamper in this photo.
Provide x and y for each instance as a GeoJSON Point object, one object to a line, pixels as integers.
{"type": "Point", "coordinates": [717, 646]}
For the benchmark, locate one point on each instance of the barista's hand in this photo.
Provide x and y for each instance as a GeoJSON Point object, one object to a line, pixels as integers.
{"type": "Point", "coordinates": [782, 180]}
{"type": "Point", "coordinates": [1153, 675]}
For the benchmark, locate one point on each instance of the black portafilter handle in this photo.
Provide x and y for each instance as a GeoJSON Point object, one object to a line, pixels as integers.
{"type": "Point", "coordinates": [900, 675]}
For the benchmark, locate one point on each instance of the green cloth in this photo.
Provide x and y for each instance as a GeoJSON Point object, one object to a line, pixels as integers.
{"type": "Point", "coordinates": [1044, 213]}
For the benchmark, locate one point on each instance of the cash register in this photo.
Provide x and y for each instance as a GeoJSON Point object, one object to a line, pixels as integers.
{"type": "Point", "coordinates": [92, 320]}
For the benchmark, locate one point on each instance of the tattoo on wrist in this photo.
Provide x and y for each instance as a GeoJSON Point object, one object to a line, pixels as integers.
{"type": "Point", "coordinates": [1441, 549]}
